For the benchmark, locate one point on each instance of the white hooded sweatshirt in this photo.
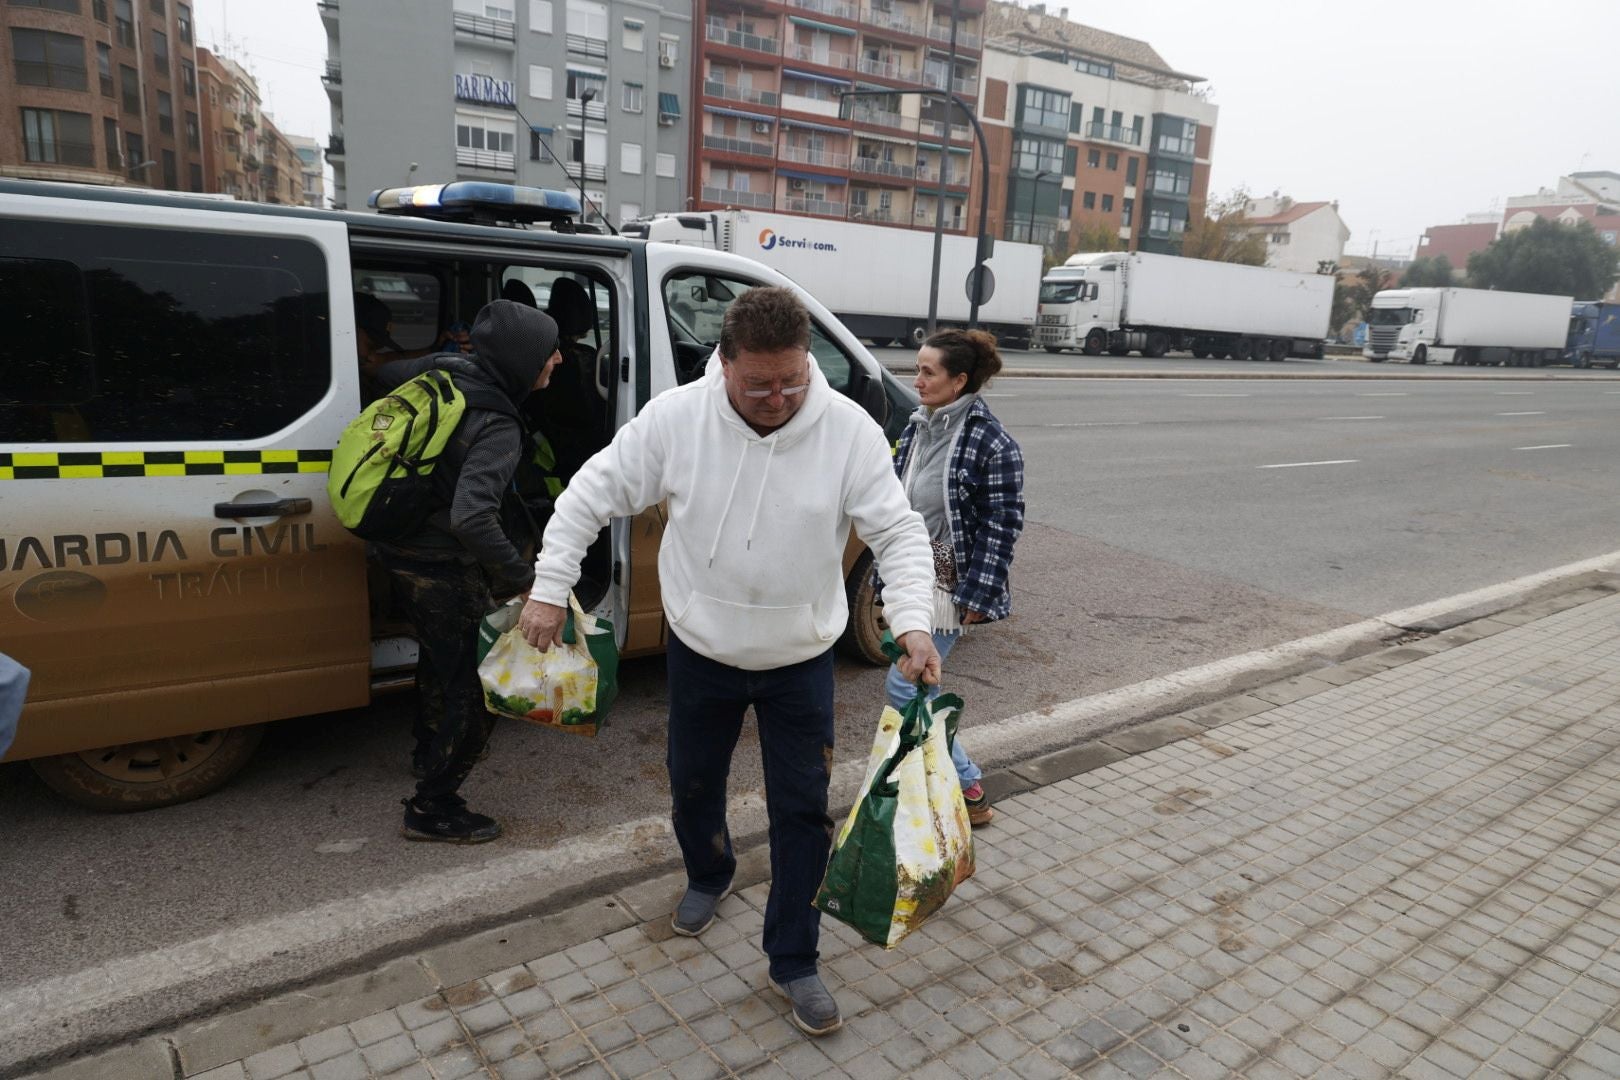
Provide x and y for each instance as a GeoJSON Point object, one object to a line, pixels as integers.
{"type": "Point", "coordinates": [751, 565]}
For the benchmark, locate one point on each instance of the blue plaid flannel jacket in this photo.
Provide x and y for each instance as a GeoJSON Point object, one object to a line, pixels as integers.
{"type": "Point", "coordinates": [987, 508]}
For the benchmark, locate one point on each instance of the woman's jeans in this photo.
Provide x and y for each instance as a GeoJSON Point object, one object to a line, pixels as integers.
{"type": "Point", "coordinates": [901, 692]}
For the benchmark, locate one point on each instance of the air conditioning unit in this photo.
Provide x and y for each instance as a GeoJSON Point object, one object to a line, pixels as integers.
{"type": "Point", "coordinates": [666, 57]}
{"type": "Point", "coordinates": [761, 127]}
{"type": "Point", "coordinates": [666, 120]}
{"type": "Point", "coordinates": [795, 185]}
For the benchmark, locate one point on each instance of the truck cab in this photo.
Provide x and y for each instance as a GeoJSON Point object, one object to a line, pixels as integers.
{"type": "Point", "coordinates": [1402, 325]}
{"type": "Point", "coordinates": [178, 373]}
{"type": "Point", "coordinates": [1079, 304]}
{"type": "Point", "coordinates": [1594, 335]}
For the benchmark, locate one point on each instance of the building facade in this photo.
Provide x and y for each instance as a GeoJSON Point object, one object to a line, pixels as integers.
{"type": "Point", "coordinates": [312, 166]}
{"type": "Point", "coordinates": [1092, 136]}
{"type": "Point", "coordinates": [1300, 236]}
{"type": "Point", "coordinates": [102, 92]}
{"type": "Point", "coordinates": [774, 133]}
{"type": "Point", "coordinates": [548, 93]}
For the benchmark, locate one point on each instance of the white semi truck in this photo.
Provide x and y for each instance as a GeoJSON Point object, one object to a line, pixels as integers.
{"type": "Point", "coordinates": [1467, 326]}
{"type": "Point", "coordinates": [873, 277]}
{"type": "Point", "coordinates": [1121, 302]}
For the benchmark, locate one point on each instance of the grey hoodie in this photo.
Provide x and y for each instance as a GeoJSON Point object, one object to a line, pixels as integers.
{"type": "Point", "coordinates": [512, 343]}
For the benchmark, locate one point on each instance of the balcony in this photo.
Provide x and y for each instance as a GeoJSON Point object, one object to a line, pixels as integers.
{"type": "Point", "coordinates": [890, 20]}
{"type": "Point", "coordinates": [753, 200]}
{"type": "Point", "coordinates": [724, 35]}
{"type": "Point", "coordinates": [924, 215]}
{"type": "Point", "coordinates": [804, 155]}
{"type": "Point", "coordinates": [879, 167]}
{"type": "Point", "coordinates": [879, 117]}
{"type": "Point", "coordinates": [579, 170]}
{"type": "Point", "coordinates": [1114, 133]}
{"type": "Point", "coordinates": [967, 86]}
{"type": "Point", "coordinates": [826, 58]}
{"type": "Point", "coordinates": [958, 177]}
{"type": "Point", "coordinates": [727, 144]}
{"type": "Point", "coordinates": [487, 160]}
{"type": "Point", "coordinates": [836, 8]}
{"type": "Point", "coordinates": [249, 121]}
{"type": "Point", "coordinates": [251, 161]}
{"type": "Point", "coordinates": [334, 147]}
{"type": "Point", "coordinates": [965, 39]}
{"type": "Point", "coordinates": [728, 92]}
{"type": "Point", "coordinates": [795, 204]}
{"type": "Point", "coordinates": [595, 109]}
{"type": "Point", "coordinates": [333, 79]}
{"type": "Point", "coordinates": [888, 69]}
{"type": "Point", "coordinates": [581, 45]}
{"type": "Point", "coordinates": [327, 8]}
{"type": "Point", "coordinates": [488, 30]}
{"type": "Point", "coordinates": [876, 214]}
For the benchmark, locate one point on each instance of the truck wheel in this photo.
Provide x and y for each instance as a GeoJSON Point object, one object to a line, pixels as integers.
{"type": "Point", "coordinates": [1119, 350]}
{"type": "Point", "coordinates": [147, 775]}
{"type": "Point", "coordinates": [863, 637]}
{"type": "Point", "coordinates": [1583, 360]}
{"type": "Point", "coordinates": [1053, 349]}
{"type": "Point", "coordinates": [1096, 341]}
{"type": "Point", "coordinates": [1200, 349]}
{"type": "Point", "coordinates": [1242, 349]}
{"type": "Point", "coordinates": [1279, 349]}
{"type": "Point", "coordinates": [917, 334]}
{"type": "Point", "coordinates": [1420, 355]}
{"type": "Point", "coordinates": [1157, 345]}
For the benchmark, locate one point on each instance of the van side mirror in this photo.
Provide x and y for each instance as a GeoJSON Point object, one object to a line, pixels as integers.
{"type": "Point", "coordinates": [699, 295]}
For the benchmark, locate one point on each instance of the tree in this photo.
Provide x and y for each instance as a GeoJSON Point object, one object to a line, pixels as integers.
{"type": "Point", "coordinates": [1371, 280]}
{"type": "Point", "coordinates": [1563, 260]}
{"type": "Point", "coordinates": [1217, 233]}
{"type": "Point", "coordinates": [1426, 272]}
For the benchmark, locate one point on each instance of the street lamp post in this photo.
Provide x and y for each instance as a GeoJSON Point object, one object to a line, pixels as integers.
{"type": "Point", "coordinates": [1034, 197]}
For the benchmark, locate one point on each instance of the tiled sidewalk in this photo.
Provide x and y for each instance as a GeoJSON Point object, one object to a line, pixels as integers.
{"type": "Point", "coordinates": [1414, 873]}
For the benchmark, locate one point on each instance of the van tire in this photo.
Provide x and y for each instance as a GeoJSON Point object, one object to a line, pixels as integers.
{"type": "Point", "coordinates": [863, 637]}
{"type": "Point", "coordinates": [108, 779]}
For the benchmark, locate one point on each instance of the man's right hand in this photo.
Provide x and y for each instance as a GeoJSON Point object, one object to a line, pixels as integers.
{"type": "Point", "coordinates": [541, 624]}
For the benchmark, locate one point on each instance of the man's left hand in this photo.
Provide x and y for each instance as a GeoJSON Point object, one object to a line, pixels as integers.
{"type": "Point", "coordinates": [971, 617]}
{"type": "Point", "coordinates": [921, 661]}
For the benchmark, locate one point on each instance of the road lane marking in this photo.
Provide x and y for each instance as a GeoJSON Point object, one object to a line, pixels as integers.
{"type": "Point", "coordinates": [1302, 464]}
{"type": "Point", "coordinates": [998, 395]}
{"type": "Point", "coordinates": [1215, 395]}
{"type": "Point", "coordinates": [1094, 423]}
{"type": "Point", "coordinates": [1515, 393]}
{"type": "Point", "coordinates": [1386, 393]}
{"type": "Point", "coordinates": [1521, 414]}
{"type": "Point", "coordinates": [1547, 446]}
{"type": "Point", "coordinates": [1349, 417]}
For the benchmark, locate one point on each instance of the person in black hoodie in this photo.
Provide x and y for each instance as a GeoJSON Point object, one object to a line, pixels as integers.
{"type": "Point", "coordinates": [463, 560]}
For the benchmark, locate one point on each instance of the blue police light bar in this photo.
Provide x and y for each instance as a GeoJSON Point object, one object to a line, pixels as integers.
{"type": "Point", "coordinates": [476, 201]}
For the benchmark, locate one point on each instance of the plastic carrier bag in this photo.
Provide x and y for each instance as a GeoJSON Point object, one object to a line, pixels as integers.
{"type": "Point", "coordinates": [569, 688]}
{"type": "Point", "coordinates": [907, 842]}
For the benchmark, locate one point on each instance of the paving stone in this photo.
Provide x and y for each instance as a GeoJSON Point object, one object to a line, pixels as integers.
{"type": "Point", "coordinates": [274, 1063]}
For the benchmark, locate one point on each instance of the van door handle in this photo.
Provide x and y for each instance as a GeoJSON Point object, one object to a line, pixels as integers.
{"type": "Point", "coordinates": [272, 508]}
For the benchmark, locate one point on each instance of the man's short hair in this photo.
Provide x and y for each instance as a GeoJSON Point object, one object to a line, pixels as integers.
{"type": "Point", "coordinates": [765, 319]}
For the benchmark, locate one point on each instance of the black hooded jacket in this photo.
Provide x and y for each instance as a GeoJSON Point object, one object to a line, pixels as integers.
{"type": "Point", "coordinates": [511, 344]}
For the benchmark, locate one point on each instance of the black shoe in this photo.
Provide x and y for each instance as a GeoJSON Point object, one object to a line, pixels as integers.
{"type": "Point", "coordinates": [453, 825]}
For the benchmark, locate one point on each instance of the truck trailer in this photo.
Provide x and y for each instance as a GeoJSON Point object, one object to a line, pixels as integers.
{"type": "Point", "coordinates": [873, 277]}
{"type": "Point", "coordinates": [1123, 302]}
{"type": "Point", "coordinates": [1467, 326]}
{"type": "Point", "coordinates": [1594, 335]}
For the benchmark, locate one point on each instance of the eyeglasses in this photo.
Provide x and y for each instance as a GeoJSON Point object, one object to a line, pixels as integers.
{"type": "Point", "coordinates": [786, 391]}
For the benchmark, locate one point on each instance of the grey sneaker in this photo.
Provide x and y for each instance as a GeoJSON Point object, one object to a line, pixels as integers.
{"type": "Point", "coordinates": [696, 911]}
{"type": "Point", "coordinates": [814, 1010]}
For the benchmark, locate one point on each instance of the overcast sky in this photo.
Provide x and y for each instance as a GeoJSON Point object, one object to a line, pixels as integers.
{"type": "Point", "coordinates": [1409, 114]}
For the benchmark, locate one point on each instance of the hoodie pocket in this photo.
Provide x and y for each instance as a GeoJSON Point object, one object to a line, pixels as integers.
{"type": "Point", "coordinates": [748, 636]}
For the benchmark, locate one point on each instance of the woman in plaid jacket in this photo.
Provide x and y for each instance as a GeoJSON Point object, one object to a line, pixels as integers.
{"type": "Point", "coordinates": [965, 475]}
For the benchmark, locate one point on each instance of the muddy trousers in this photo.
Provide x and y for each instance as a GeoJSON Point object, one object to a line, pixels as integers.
{"type": "Point", "coordinates": [445, 601]}
{"type": "Point", "coordinates": [794, 709]}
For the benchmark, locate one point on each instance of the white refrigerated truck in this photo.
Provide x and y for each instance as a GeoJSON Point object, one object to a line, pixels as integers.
{"type": "Point", "coordinates": [1152, 304]}
{"type": "Point", "coordinates": [1467, 326]}
{"type": "Point", "coordinates": [873, 277]}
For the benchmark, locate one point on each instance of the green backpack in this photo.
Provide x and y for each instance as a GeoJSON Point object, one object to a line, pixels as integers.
{"type": "Point", "coordinates": [381, 483]}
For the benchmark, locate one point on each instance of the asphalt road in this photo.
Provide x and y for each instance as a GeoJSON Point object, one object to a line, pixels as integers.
{"type": "Point", "coordinates": [1171, 523]}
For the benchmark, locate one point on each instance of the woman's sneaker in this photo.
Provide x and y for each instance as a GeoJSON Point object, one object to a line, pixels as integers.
{"type": "Point", "coordinates": [451, 824]}
{"type": "Point", "coordinates": [978, 804]}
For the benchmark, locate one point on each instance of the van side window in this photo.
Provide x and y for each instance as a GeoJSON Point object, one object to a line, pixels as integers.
{"type": "Point", "coordinates": [120, 334]}
{"type": "Point", "coordinates": [696, 303]}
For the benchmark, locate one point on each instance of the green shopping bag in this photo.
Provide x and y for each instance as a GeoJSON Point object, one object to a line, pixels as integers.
{"type": "Point", "coordinates": [569, 688]}
{"type": "Point", "coordinates": [907, 842]}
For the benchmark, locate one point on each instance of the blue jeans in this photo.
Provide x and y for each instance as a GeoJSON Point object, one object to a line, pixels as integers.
{"type": "Point", "coordinates": [794, 708]}
{"type": "Point", "coordinates": [900, 692]}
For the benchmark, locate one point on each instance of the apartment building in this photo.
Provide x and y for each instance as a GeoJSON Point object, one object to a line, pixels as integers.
{"type": "Point", "coordinates": [312, 168]}
{"type": "Point", "coordinates": [1089, 132]}
{"type": "Point", "coordinates": [1300, 236]}
{"type": "Point", "coordinates": [549, 93]}
{"type": "Point", "coordinates": [774, 134]}
{"type": "Point", "coordinates": [102, 92]}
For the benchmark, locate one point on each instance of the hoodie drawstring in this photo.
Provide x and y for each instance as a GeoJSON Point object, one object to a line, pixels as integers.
{"type": "Point", "coordinates": [731, 494]}
{"type": "Point", "coordinates": [763, 481]}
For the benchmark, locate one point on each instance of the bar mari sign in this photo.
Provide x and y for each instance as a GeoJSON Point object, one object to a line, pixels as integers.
{"type": "Point", "coordinates": [485, 90]}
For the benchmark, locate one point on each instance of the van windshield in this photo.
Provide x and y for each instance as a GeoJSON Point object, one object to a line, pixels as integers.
{"type": "Point", "coordinates": [1060, 292]}
{"type": "Point", "coordinates": [1389, 316]}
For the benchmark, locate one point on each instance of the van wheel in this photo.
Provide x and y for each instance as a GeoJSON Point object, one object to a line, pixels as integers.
{"type": "Point", "coordinates": [147, 775]}
{"type": "Point", "coordinates": [863, 637]}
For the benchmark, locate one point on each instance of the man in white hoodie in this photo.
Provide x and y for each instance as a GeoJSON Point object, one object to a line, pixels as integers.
{"type": "Point", "coordinates": [766, 468]}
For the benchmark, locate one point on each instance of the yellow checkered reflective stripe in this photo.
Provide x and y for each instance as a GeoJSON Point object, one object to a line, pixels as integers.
{"type": "Point", "coordinates": [119, 464]}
